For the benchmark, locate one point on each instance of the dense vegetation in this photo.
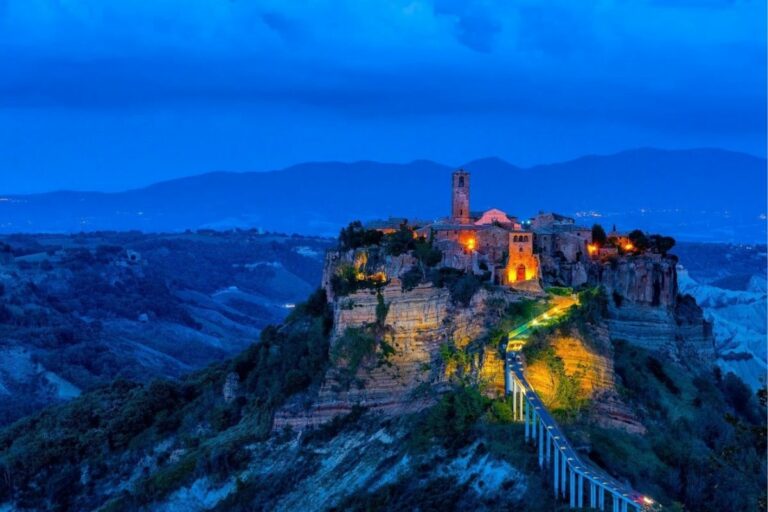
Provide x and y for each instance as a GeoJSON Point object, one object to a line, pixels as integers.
{"type": "Point", "coordinates": [706, 441]}
{"type": "Point", "coordinates": [705, 445]}
{"type": "Point", "coordinates": [41, 457]}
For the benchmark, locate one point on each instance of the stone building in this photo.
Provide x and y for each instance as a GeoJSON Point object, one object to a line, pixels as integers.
{"type": "Point", "coordinates": [460, 213]}
{"type": "Point", "coordinates": [489, 240]}
{"type": "Point", "coordinates": [523, 264]}
{"type": "Point", "coordinates": [551, 219]}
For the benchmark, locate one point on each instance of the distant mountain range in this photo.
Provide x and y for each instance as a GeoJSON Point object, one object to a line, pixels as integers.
{"type": "Point", "coordinates": [699, 194]}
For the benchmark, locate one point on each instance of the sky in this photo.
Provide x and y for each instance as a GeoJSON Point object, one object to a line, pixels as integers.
{"type": "Point", "coordinates": [116, 94]}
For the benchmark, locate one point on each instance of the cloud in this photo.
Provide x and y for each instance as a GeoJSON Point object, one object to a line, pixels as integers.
{"type": "Point", "coordinates": [527, 70]}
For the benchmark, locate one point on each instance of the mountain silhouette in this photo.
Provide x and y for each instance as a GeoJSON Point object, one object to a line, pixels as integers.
{"type": "Point", "coordinates": [698, 194]}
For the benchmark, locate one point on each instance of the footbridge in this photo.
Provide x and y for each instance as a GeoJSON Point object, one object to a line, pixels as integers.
{"type": "Point", "coordinates": [572, 478]}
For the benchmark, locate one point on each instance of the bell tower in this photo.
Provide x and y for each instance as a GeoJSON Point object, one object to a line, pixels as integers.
{"type": "Point", "coordinates": [460, 197]}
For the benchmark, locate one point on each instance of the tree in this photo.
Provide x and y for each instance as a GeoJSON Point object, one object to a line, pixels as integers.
{"type": "Point", "coordinates": [639, 240]}
{"type": "Point", "coordinates": [662, 244]}
{"type": "Point", "coordinates": [355, 235]}
{"type": "Point", "coordinates": [401, 241]}
{"type": "Point", "coordinates": [427, 255]}
{"type": "Point", "coordinates": [737, 393]}
{"type": "Point", "coordinates": [598, 234]}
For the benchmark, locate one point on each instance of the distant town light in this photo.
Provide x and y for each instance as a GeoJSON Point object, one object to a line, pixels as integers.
{"type": "Point", "coordinates": [592, 249]}
{"type": "Point", "coordinates": [629, 246]}
{"type": "Point", "coordinates": [471, 244]}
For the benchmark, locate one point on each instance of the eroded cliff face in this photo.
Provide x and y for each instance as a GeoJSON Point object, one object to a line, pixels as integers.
{"type": "Point", "coordinates": [405, 370]}
{"type": "Point", "coordinates": [589, 364]}
{"type": "Point", "coordinates": [417, 323]}
{"type": "Point", "coordinates": [560, 272]}
{"type": "Point", "coordinates": [645, 308]}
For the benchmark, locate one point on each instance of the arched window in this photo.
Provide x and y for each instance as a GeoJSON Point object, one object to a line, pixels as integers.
{"type": "Point", "coordinates": [461, 181]}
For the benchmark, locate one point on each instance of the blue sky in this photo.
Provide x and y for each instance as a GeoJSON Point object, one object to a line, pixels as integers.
{"type": "Point", "coordinates": [107, 95]}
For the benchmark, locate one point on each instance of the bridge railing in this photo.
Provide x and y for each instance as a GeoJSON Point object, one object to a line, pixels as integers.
{"type": "Point", "coordinates": [570, 474]}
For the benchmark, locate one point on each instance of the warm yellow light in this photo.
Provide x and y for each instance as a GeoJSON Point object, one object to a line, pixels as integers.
{"type": "Point", "coordinates": [379, 277]}
{"type": "Point", "coordinates": [471, 244]}
{"type": "Point", "coordinates": [530, 274]}
{"type": "Point", "coordinates": [592, 249]}
{"type": "Point", "coordinates": [647, 500]}
{"type": "Point", "coordinates": [628, 246]}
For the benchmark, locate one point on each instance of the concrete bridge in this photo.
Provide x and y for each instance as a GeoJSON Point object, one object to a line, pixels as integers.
{"type": "Point", "coordinates": [571, 477]}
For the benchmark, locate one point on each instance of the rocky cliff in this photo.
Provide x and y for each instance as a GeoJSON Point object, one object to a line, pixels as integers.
{"type": "Point", "coordinates": [418, 323]}
{"type": "Point", "coordinates": [588, 363]}
{"type": "Point", "coordinates": [407, 369]}
{"type": "Point", "coordinates": [645, 308]}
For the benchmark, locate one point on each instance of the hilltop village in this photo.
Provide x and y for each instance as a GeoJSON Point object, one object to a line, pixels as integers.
{"type": "Point", "coordinates": [409, 296]}
{"type": "Point", "coordinates": [549, 249]}
{"type": "Point", "coordinates": [397, 382]}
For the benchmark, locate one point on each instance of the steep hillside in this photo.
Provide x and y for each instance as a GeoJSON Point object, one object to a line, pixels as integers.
{"type": "Point", "coordinates": [78, 311]}
{"type": "Point", "coordinates": [204, 443]}
{"type": "Point", "coordinates": [718, 195]}
{"type": "Point", "coordinates": [388, 398]}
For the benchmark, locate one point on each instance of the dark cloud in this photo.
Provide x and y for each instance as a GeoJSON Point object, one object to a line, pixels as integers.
{"type": "Point", "coordinates": [543, 79]}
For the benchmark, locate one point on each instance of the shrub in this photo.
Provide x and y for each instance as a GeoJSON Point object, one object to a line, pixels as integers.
{"type": "Point", "coordinates": [399, 242]}
{"type": "Point", "coordinates": [381, 310]}
{"type": "Point", "coordinates": [639, 240]}
{"type": "Point", "coordinates": [661, 244]}
{"type": "Point", "coordinates": [656, 368]}
{"type": "Point", "coordinates": [411, 279]}
{"type": "Point", "coordinates": [355, 236]}
{"type": "Point", "coordinates": [559, 290]}
{"type": "Point", "coordinates": [598, 234]}
{"type": "Point", "coordinates": [737, 393]}
{"type": "Point", "coordinates": [451, 421]}
{"type": "Point", "coordinates": [352, 348]}
{"type": "Point", "coordinates": [464, 288]}
{"type": "Point", "coordinates": [501, 411]}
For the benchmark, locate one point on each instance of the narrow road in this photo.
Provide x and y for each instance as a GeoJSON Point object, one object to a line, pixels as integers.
{"type": "Point", "coordinates": [515, 363]}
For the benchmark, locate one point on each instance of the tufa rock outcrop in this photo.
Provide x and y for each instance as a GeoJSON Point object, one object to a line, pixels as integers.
{"type": "Point", "coordinates": [405, 369]}
{"type": "Point", "coordinates": [588, 361]}
{"type": "Point", "coordinates": [645, 308]}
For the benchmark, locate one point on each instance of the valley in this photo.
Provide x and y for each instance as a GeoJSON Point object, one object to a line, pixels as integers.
{"type": "Point", "coordinates": [79, 311]}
